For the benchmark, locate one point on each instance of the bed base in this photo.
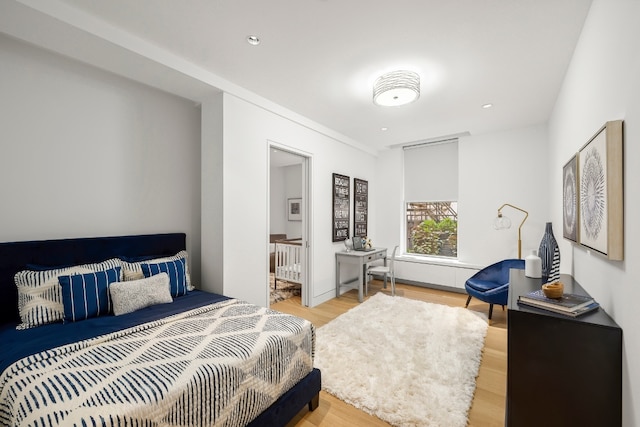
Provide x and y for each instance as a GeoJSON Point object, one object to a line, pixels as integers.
{"type": "Point", "coordinates": [305, 392]}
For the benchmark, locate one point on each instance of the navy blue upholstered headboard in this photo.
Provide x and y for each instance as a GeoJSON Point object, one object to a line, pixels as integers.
{"type": "Point", "coordinates": [14, 256]}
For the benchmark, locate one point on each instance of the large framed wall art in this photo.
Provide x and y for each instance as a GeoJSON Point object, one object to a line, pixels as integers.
{"type": "Point", "coordinates": [601, 192]}
{"type": "Point", "coordinates": [360, 207]}
{"type": "Point", "coordinates": [340, 226]}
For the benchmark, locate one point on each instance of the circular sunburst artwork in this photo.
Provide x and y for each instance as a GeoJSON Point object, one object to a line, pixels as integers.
{"type": "Point", "coordinates": [569, 202]}
{"type": "Point", "coordinates": [592, 194]}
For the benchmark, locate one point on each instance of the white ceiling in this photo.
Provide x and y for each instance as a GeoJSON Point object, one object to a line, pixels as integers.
{"type": "Point", "coordinates": [319, 58]}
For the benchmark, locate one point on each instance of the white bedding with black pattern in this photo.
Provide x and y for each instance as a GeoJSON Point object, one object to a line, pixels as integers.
{"type": "Point", "coordinates": [221, 364]}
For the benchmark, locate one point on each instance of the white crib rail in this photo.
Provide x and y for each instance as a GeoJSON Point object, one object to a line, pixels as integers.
{"type": "Point", "coordinates": [288, 254]}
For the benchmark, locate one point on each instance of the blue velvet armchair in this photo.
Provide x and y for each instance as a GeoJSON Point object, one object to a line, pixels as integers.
{"type": "Point", "coordinates": [491, 284]}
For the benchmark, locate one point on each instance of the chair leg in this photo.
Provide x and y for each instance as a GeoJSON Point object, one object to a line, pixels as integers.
{"type": "Point", "coordinates": [468, 301]}
{"type": "Point", "coordinates": [490, 311]}
{"type": "Point", "coordinates": [393, 284]}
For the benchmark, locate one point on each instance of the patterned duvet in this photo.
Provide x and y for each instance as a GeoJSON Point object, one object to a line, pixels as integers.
{"type": "Point", "coordinates": [221, 364]}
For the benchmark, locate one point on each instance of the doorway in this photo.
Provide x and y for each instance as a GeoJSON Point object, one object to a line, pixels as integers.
{"type": "Point", "coordinates": [288, 223]}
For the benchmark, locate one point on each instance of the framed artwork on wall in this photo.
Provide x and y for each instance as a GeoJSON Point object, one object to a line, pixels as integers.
{"type": "Point", "coordinates": [340, 226]}
{"type": "Point", "coordinates": [360, 207]}
{"type": "Point", "coordinates": [294, 209]}
{"type": "Point", "coordinates": [601, 197]}
{"type": "Point", "coordinates": [570, 200]}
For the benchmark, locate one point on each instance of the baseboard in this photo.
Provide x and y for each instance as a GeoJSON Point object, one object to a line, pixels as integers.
{"type": "Point", "coordinates": [426, 285]}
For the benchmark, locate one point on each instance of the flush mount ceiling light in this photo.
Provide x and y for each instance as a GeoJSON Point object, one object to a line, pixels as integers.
{"type": "Point", "coordinates": [396, 88]}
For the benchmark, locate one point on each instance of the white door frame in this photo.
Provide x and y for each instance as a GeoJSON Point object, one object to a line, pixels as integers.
{"type": "Point", "coordinates": [307, 217]}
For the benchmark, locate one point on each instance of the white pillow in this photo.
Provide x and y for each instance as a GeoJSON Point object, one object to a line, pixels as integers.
{"type": "Point", "coordinates": [132, 295]}
{"type": "Point", "coordinates": [40, 293]}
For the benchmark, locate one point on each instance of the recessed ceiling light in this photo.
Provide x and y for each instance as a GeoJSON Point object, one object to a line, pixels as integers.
{"type": "Point", "coordinates": [253, 40]}
{"type": "Point", "coordinates": [485, 106]}
{"type": "Point", "coordinates": [384, 129]}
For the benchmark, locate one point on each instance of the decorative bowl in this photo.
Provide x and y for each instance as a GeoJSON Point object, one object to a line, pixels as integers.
{"type": "Point", "coordinates": [553, 290]}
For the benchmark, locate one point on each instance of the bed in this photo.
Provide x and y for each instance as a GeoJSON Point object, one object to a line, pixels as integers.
{"type": "Point", "coordinates": [202, 359]}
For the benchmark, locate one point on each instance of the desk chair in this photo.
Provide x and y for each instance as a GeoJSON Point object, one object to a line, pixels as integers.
{"type": "Point", "coordinates": [386, 271]}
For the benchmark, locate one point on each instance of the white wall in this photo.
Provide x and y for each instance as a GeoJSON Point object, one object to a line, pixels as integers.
{"type": "Point", "coordinates": [278, 201]}
{"type": "Point", "coordinates": [602, 84]}
{"type": "Point", "coordinates": [496, 168]}
{"type": "Point", "coordinates": [502, 167]}
{"type": "Point", "coordinates": [285, 183]}
{"type": "Point", "coordinates": [212, 175]}
{"type": "Point", "coordinates": [293, 190]}
{"type": "Point", "coordinates": [85, 153]}
{"type": "Point", "coordinates": [247, 132]}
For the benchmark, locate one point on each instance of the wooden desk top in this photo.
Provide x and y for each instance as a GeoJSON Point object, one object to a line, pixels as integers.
{"type": "Point", "coordinates": [354, 253]}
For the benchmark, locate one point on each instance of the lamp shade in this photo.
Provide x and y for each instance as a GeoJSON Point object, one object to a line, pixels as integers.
{"type": "Point", "coordinates": [396, 88]}
{"type": "Point", "coordinates": [501, 222]}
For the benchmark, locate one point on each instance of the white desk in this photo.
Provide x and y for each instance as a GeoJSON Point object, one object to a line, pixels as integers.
{"type": "Point", "coordinates": [361, 259]}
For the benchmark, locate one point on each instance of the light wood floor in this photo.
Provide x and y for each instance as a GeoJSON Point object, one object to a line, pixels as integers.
{"type": "Point", "coordinates": [488, 406]}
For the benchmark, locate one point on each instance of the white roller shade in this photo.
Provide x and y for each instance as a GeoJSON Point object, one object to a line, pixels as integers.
{"type": "Point", "coordinates": [431, 172]}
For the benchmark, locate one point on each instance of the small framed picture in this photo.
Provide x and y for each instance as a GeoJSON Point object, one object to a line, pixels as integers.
{"type": "Point", "coordinates": [294, 209]}
{"type": "Point", "coordinates": [571, 200]}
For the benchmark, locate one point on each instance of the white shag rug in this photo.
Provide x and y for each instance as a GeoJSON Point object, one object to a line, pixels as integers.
{"type": "Point", "coordinates": [408, 362]}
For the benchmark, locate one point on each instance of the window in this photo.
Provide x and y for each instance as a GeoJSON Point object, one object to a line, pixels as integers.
{"type": "Point", "coordinates": [431, 198]}
{"type": "Point", "coordinates": [432, 228]}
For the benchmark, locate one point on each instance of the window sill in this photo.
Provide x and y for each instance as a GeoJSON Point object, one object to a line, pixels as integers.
{"type": "Point", "coordinates": [446, 262]}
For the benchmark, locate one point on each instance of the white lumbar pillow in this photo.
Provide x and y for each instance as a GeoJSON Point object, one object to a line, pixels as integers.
{"type": "Point", "coordinates": [133, 295]}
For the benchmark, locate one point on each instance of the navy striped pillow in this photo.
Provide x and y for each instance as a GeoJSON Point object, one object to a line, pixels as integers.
{"type": "Point", "coordinates": [87, 295]}
{"type": "Point", "coordinates": [132, 270]}
{"type": "Point", "coordinates": [176, 270]}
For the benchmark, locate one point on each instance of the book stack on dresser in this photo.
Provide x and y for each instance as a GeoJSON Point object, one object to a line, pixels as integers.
{"type": "Point", "coordinates": [568, 304]}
